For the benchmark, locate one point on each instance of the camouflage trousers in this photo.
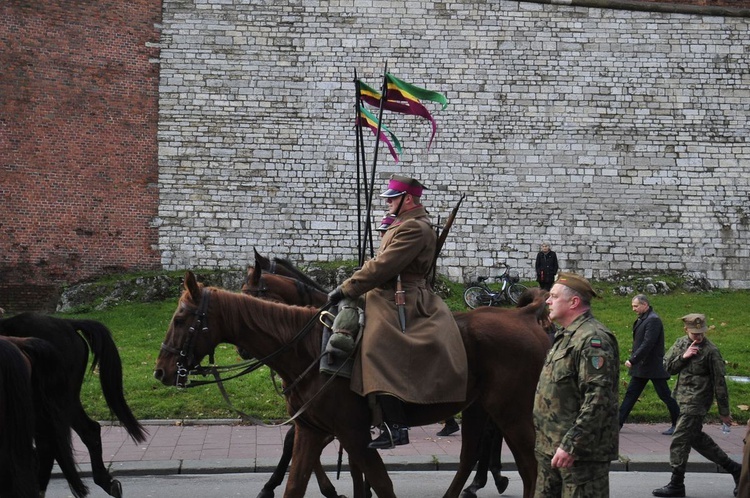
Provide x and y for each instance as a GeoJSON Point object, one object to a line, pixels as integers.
{"type": "Point", "coordinates": [583, 480]}
{"type": "Point", "coordinates": [688, 433]}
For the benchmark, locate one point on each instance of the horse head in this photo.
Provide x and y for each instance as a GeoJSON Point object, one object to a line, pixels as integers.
{"type": "Point", "coordinates": [187, 341]}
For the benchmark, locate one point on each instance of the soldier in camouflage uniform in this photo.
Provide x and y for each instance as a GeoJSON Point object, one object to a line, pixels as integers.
{"type": "Point", "coordinates": [700, 375]}
{"type": "Point", "coordinates": [575, 408]}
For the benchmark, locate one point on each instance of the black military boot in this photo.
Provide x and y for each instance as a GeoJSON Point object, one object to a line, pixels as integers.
{"type": "Point", "coordinates": [391, 435]}
{"type": "Point", "coordinates": [676, 486]}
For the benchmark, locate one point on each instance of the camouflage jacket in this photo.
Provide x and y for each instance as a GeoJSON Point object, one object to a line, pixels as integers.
{"type": "Point", "coordinates": [698, 378]}
{"type": "Point", "coordinates": [575, 407]}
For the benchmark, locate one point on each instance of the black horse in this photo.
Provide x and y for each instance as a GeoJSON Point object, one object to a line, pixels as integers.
{"type": "Point", "coordinates": [17, 458]}
{"type": "Point", "coordinates": [45, 410]}
{"type": "Point", "coordinates": [72, 339]}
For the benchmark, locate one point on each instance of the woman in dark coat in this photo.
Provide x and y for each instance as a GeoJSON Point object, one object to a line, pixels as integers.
{"type": "Point", "coordinates": [546, 267]}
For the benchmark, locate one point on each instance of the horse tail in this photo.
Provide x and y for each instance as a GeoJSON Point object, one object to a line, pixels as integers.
{"type": "Point", "coordinates": [105, 355]}
{"type": "Point", "coordinates": [53, 409]}
{"type": "Point", "coordinates": [17, 425]}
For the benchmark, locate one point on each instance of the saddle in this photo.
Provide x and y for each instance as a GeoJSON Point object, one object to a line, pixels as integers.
{"type": "Point", "coordinates": [340, 340]}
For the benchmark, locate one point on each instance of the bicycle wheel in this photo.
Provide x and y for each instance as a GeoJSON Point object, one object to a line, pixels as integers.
{"type": "Point", "coordinates": [515, 291]}
{"type": "Point", "coordinates": [476, 297]}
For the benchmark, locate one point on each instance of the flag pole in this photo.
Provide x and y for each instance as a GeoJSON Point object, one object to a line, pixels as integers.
{"type": "Point", "coordinates": [360, 161]}
{"type": "Point", "coordinates": [375, 153]}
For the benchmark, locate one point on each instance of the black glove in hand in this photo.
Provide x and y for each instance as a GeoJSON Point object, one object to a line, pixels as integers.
{"type": "Point", "coordinates": [336, 295]}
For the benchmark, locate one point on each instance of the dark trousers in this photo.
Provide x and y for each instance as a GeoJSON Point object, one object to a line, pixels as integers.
{"type": "Point", "coordinates": [393, 410]}
{"type": "Point", "coordinates": [635, 388]}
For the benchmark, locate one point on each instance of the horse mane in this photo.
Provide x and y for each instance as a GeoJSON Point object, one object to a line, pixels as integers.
{"type": "Point", "coordinates": [298, 274]}
{"type": "Point", "coordinates": [246, 310]}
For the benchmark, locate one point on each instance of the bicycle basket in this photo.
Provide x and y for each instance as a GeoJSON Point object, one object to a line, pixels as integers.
{"type": "Point", "coordinates": [514, 278]}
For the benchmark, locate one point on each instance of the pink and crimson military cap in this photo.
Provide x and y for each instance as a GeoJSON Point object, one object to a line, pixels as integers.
{"type": "Point", "coordinates": [400, 185]}
{"type": "Point", "coordinates": [386, 222]}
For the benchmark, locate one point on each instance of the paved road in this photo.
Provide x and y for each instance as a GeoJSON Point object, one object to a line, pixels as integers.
{"type": "Point", "coordinates": [406, 484]}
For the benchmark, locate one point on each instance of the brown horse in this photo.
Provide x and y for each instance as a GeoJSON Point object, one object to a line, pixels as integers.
{"type": "Point", "coordinates": [279, 280]}
{"type": "Point", "coordinates": [505, 350]}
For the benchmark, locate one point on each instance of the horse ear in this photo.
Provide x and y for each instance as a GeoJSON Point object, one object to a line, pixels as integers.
{"type": "Point", "coordinates": [260, 261]}
{"type": "Point", "coordinates": [191, 285]}
{"type": "Point", "coordinates": [257, 271]}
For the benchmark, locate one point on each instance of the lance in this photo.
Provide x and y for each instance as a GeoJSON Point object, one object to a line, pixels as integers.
{"type": "Point", "coordinates": [368, 206]}
{"type": "Point", "coordinates": [443, 236]}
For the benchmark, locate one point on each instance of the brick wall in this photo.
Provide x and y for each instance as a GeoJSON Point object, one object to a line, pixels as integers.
{"type": "Point", "coordinates": [562, 126]}
{"type": "Point", "coordinates": [619, 136]}
{"type": "Point", "coordinates": [78, 150]}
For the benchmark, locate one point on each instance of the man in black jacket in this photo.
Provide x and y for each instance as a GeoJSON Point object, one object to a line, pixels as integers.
{"type": "Point", "coordinates": [647, 362]}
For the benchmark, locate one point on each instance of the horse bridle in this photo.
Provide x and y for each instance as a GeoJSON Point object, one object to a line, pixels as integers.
{"type": "Point", "coordinates": [187, 353]}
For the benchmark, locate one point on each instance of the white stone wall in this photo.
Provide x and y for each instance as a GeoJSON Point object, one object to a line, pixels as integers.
{"type": "Point", "coordinates": [620, 137]}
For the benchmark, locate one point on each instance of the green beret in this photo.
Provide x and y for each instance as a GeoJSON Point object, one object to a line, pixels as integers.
{"type": "Point", "coordinates": [577, 283]}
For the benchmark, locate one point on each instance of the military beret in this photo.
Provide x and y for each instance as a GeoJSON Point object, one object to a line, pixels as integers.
{"type": "Point", "coordinates": [695, 323]}
{"type": "Point", "coordinates": [577, 283]}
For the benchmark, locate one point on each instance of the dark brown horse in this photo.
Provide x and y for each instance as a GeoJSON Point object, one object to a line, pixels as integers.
{"type": "Point", "coordinates": [281, 281]}
{"type": "Point", "coordinates": [505, 350]}
{"type": "Point", "coordinates": [45, 411]}
{"type": "Point", "coordinates": [72, 339]}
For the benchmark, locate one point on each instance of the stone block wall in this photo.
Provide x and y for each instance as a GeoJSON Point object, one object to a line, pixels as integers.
{"type": "Point", "coordinates": [78, 118]}
{"type": "Point", "coordinates": [621, 137]}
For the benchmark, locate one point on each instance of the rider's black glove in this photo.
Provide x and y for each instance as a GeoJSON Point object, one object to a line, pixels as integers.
{"type": "Point", "coordinates": [335, 296]}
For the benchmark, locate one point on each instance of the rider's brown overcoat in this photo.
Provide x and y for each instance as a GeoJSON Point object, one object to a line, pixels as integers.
{"type": "Point", "coordinates": [427, 362]}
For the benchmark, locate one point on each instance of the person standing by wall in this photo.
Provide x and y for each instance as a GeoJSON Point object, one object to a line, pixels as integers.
{"type": "Point", "coordinates": [646, 362]}
{"type": "Point", "coordinates": [546, 266]}
{"type": "Point", "coordinates": [575, 408]}
{"type": "Point", "coordinates": [700, 376]}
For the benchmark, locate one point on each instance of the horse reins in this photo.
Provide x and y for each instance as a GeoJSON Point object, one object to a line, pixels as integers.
{"type": "Point", "coordinates": [184, 369]}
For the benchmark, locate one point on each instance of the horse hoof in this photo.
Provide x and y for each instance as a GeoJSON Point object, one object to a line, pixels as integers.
{"type": "Point", "coordinates": [115, 489]}
{"type": "Point", "coordinates": [469, 493]}
{"type": "Point", "coordinates": [501, 482]}
{"type": "Point", "coordinates": [265, 493]}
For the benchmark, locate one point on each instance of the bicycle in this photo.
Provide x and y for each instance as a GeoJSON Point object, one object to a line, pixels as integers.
{"type": "Point", "coordinates": [481, 294]}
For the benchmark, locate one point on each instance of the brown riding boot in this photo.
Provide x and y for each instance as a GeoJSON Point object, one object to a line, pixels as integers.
{"type": "Point", "coordinates": [675, 488]}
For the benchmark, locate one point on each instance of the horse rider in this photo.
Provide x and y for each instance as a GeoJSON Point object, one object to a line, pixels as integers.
{"type": "Point", "coordinates": [411, 353]}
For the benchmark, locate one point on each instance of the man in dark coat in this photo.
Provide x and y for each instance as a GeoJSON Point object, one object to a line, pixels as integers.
{"type": "Point", "coordinates": [646, 362]}
{"type": "Point", "coordinates": [546, 266]}
{"type": "Point", "coordinates": [413, 352]}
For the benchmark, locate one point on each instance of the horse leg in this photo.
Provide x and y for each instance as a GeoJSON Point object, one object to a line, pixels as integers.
{"type": "Point", "coordinates": [45, 459]}
{"type": "Point", "coordinates": [308, 445]}
{"type": "Point", "coordinates": [480, 475]}
{"type": "Point", "coordinates": [90, 433]}
{"type": "Point", "coordinates": [324, 483]}
{"type": "Point", "coordinates": [519, 434]}
{"type": "Point", "coordinates": [280, 471]}
{"type": "Point", "coordinates": [367, 461]}
{"type": "Point", "coordinates": [473, 422]}
{"type": "Point", "coordinates": [495, 462]}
